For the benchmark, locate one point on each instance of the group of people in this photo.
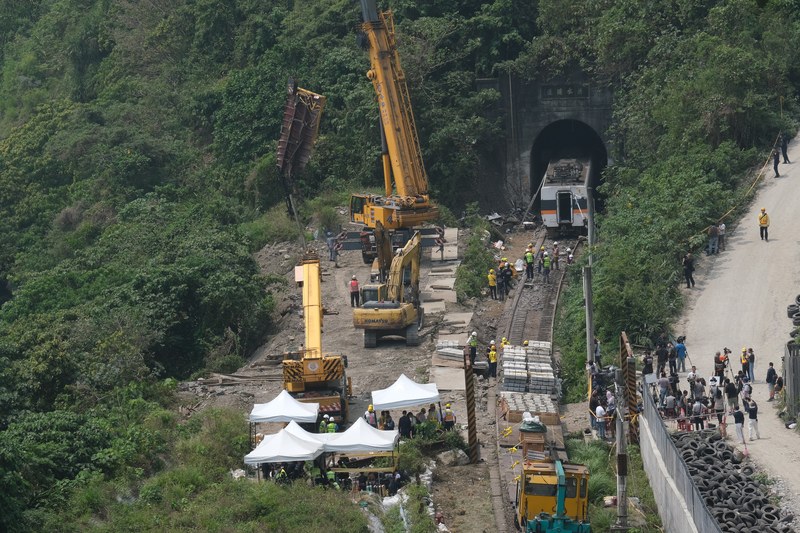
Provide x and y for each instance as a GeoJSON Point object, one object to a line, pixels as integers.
{"type": "Point", "coordinates": [493, 351]}
{"type": "Point", "coordinates": [719, 397]}
{"type": "Point", "coordinates": [716, 243]}
{"type": "Point", "coordinates": [783, 145]}
{"type": "Point", "coordinates": [285, 473]}
{"type": "Point", "coordinates": [538, 263]}
{"type": "Point", "coordinates": [410, 424]}
{"type": "Point", "coordinates": [602, 407]}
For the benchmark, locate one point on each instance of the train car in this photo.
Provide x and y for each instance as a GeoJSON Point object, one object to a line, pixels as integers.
{"type": "Point", "coordinates": [565, 195]}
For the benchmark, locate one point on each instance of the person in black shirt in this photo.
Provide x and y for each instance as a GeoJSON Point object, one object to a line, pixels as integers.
{"type": "Point", "coordinates": [738, 419]}
{"type": "Point", "coordinates": [661, 357]}
{"type": "Point", "coordinates": [648, 363]}
{"type": "Point", "coordinates": [404, 426]}
{"type": "Point", "coordinates": [752, 411]}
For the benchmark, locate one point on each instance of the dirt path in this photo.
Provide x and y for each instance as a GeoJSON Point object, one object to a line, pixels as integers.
{"type": "Point", "coordinates": [740, 300]}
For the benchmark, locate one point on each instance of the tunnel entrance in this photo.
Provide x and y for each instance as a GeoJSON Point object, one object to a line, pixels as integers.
{"type": "Point", "coordinates": [566, 139]}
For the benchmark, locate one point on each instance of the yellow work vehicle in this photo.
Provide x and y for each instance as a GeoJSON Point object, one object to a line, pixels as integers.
{"type": "Point", "coordinates": [406, 202]}
{"type": "Point", "coordinates": [308, 374]}
{"type": "Point", "coordinates": [553, 497]}
{"type": "Point", "coordinates": [393, 308]}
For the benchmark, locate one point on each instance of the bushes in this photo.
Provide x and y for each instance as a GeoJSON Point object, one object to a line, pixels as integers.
{"type": "Point", "coordinates": [471, 274]}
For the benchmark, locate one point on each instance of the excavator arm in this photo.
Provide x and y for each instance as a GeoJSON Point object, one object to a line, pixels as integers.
{"type": "Point", "coordinates": [409, 255]}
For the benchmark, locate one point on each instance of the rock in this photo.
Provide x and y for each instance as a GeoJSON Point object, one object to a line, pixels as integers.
{"type": "Point", "coordinates": [453, 458]}
{"type": "Point", "coordinates": [287, 256]}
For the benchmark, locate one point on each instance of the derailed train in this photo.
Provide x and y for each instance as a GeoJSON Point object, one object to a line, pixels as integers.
{"type": "Point", "coordinates": [565, 194]}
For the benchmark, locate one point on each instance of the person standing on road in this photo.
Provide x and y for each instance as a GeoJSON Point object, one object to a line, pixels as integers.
{"type": "Point", "coordinates": [745, 362]}
{"type": "Point", "coordinates": [697, 415]}
{"type": "Point", "coordinates": [738, 420]}
{"type": "Point", "coordinates": [354, 294]}
{"type": "Point", "coordinates": [663, 387]}
{"type": "Point", "coordinates": [776, 158]}
{"type": "Point", "coordinates": [647, 363]}
{"type": "Point", "coordinates": [672, 357]}
{"type": "Point", "coordinates": [785, 147]}
{"type": "Point", "coordinates": [763, 224]}
{"type": "Point", "coordinates": [721, 236]}
{"type": "Point", "coordinates": [772, 377]}
{"type": "Point", "coordinates": [449, 418]}
{"type": "Point", "coordinates": [661, 358]}
{"type": "Point", "coordinates": [752, 414]}
{"type": "Point", "coordinates": [500, 281]}
{"type": "Point", "coordinates": [713, 238]}
{"type": "Point", "coordinates": [680, 349]}
{"type": "Point", "coordinates": [688, 269]}
{"type": "Point", "coordinates": [539, 260]}
{"type": "Point", "coordinates": [732, 393]}
{"type": "Point", "coordinates": [751, 359]}
{"type": "Point", "coordinates": [492, 277]}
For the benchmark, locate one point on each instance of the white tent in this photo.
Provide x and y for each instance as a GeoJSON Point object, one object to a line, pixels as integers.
{"type": "Point", "coordinates": [283, 447]}
{"type": "Point", "coordinates": [404, 393]}
{"type": "Point", "coordinates": [284, 408]}
{"type": "Point", "coordinates": [361, 437]}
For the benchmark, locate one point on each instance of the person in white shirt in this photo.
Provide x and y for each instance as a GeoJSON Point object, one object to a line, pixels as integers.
{"type": "Point", "coordinates": [600, 413]}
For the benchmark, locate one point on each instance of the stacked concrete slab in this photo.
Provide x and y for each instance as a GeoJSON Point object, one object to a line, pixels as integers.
{"type": "Point", "coordinates": [531, 402]}
{"type": "Point", "coordinates": [529, 368]}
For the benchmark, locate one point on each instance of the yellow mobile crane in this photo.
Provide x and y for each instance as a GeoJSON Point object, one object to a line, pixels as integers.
{"type": "Point", "coordinates": [406, 202]}
{"type": "Point", "coordinates": [308, 374]}
{"type": "Point", "coordinates": [387, 308]}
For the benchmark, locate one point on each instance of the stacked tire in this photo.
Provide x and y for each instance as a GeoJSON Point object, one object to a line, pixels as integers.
{"type": "Point", "coordinates": [737, 501]}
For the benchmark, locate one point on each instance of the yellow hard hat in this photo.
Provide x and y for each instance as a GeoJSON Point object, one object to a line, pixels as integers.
{"type": "Point", "coordinates": [491, 271]}
{"type": "Point", "coordinates": [744, 348]}
{"type": "Point", "coordinates": [370, 408]}
{"type": "Point", "coordinates": [504, 339]}
{"type": "Point", "coordinates": [763, 209]}
{"type": "Point", "coordinates": [542, 248]}
{"type": "Point", "coordinates": [524, 343]}
{"type": "Point", "coordinates": [447, 405]}
{"type": "Point", "coordinates": [504, 259]}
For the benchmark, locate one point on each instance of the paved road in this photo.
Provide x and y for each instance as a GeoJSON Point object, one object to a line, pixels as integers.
{"type": "Point", "coordinates": [740, 300]}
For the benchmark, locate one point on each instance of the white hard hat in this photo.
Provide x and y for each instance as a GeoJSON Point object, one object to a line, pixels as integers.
{"type": "Point", "coordinates": [555, 243]}
{"type": "Point", "coordinates": [354, 276]}
{"type": "Point", "coordinates": [491, 342]}
{"type": "Point", "coordinates": [326, 417]}
{"type": "Point", "coordinates": [545, 254]}
{"type": "Point", "coordinates": [569, 249]}
{"type": "Point", "coordinates": [474, 333]}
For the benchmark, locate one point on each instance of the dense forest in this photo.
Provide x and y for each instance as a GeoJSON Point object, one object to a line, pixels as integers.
{"type": "Point", "coordinates": [137, 176]}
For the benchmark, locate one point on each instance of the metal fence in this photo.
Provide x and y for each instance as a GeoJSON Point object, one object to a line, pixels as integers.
{"type": "Point", "coordinates": [791, 377]}
{"type": "Point", "coordinates": [672, 514]}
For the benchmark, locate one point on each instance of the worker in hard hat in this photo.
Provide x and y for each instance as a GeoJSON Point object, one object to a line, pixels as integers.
{"type": "Point", "coordinates": [371, 417]}
{"type": "Point", "coordinates": [530, 260]}
{"type": "Point", "coordinates": [472, 343]}
{"type": "Point", "coordinates": [745, 362]}
{"type": "Point", "coordinates": [333, 427]}
{"type": "Point", "coordinates": [763, 224]}
{"type": "Point", "coordinates": [556, 253]}
{"type": "Point", "coordinates": [492, 277]}
{"type": "Point", "coordinates": [508, 274]}
{"type": "Point", "coordinates": [492, 362]}
{"type": "Point", "coordinates": [492, 346]}
{"type": "Point", "coordinates": [449, 418]}
{"type": "Point", "coordinates": [546, 268]}
{"type": "Point", "coordinates": [323, 424]}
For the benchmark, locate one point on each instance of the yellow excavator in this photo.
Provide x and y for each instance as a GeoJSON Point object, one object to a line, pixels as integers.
{"type": "Point", "coordinates": [406, 201]}
{"type": "Point", "coordinates": [308, 374]}
{"type": "Point", "coordinates": [393, 308]}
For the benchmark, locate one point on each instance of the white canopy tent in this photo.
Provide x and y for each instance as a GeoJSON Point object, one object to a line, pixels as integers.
{"type": "Point", "coordinates": [404, 393]}
{"type": "Point", "coordinates": [301, 433]}
{"type": "Point", "coordinates": [284, 408]}
{"type": "Point", "coordinates": [361, 437]}
{"type": "Point", "coordinates": [283, 447]}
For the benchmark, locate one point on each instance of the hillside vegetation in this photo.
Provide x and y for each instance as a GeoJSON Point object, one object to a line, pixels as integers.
{"type": "Point", "coordinates": [137, 176]}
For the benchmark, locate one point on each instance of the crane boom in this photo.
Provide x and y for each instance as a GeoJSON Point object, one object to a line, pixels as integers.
{"type": "Point", "coordinates": [406, 202]}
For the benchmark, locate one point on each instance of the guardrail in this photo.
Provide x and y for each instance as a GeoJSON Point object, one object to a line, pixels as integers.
{"type": "Point", "coordinates": [791, 377]}
{"type": "Point", "coordinates": [677, 497]}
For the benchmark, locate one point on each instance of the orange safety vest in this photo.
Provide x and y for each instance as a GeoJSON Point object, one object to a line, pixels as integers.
{"type": "Point", "coordinates": [353, 285]}
{"type": "Point", "coordinates": [449, 416]}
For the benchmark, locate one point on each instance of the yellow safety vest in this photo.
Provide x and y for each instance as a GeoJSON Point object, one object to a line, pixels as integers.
{"type": "Point", "coordinates": [493, 357]}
